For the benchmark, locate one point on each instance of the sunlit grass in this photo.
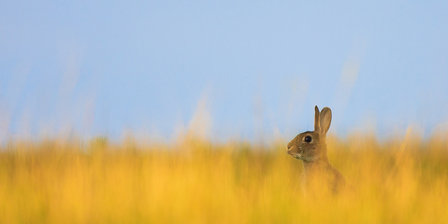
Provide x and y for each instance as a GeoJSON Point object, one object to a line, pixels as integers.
{"type": "Point", "coordinates": [401, 180]}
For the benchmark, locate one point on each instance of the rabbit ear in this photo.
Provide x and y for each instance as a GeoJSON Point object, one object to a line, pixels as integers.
{"type": "Point", "coordinates": [316, 119]}
{"type": "Point", "coordinates": [325, 120]}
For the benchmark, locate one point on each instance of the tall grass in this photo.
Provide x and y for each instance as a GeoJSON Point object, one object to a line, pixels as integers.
{"type": "Point", "coordinates": [404, 180]}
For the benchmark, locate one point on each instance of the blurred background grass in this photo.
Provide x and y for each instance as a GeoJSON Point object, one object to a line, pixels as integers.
{"type": "Point", "coordinates": [400, 180]}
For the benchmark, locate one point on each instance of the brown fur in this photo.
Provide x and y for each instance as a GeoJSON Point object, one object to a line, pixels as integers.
{"type": "Point", "coordinates": [311, 148]}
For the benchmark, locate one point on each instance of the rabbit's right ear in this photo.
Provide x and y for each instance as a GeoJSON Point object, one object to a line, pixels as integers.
{"type": "Point", "coordinates": [325, 120]}
{"type": "Point", "coordinates": [316, 119]}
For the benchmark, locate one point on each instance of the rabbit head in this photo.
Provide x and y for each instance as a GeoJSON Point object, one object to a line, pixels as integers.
{"type": "Point", "coordinates": [310, 146]}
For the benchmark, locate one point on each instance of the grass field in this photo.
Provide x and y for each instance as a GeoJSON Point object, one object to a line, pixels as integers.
{"type": "Point", "coordinates": [404, 180]}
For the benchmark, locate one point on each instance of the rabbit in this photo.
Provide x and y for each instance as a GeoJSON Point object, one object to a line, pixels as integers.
{"type": "Point", "coordinates": [311, 148]}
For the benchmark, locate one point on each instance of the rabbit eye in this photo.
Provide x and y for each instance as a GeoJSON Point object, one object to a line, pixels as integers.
{"type": "Point", "coordinates": [308, 139]}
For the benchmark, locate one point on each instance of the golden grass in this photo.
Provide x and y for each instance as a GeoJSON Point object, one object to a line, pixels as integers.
{"type": "Point", "coordinates": [399, 181]}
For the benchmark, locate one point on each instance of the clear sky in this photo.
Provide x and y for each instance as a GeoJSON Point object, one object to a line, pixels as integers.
{"type": "Point", "coordinates": [104, 67]}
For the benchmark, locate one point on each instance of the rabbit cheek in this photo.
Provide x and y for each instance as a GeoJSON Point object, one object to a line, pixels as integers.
{"type": "Point", "coordinates": [312, 153]}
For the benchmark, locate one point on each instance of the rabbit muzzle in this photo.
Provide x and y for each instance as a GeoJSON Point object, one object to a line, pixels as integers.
{"type": "Point", "coordinates": [295, 152]}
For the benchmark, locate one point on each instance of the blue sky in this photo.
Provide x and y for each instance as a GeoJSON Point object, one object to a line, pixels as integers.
{"type": "Point", "coordinates": [104, 67]}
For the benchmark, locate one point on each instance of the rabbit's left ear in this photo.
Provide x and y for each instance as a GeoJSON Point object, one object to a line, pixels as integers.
{"type": "Point", "coordinates": [316, 119]}
{"type": "Point", "coordinates": [325, 120]}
